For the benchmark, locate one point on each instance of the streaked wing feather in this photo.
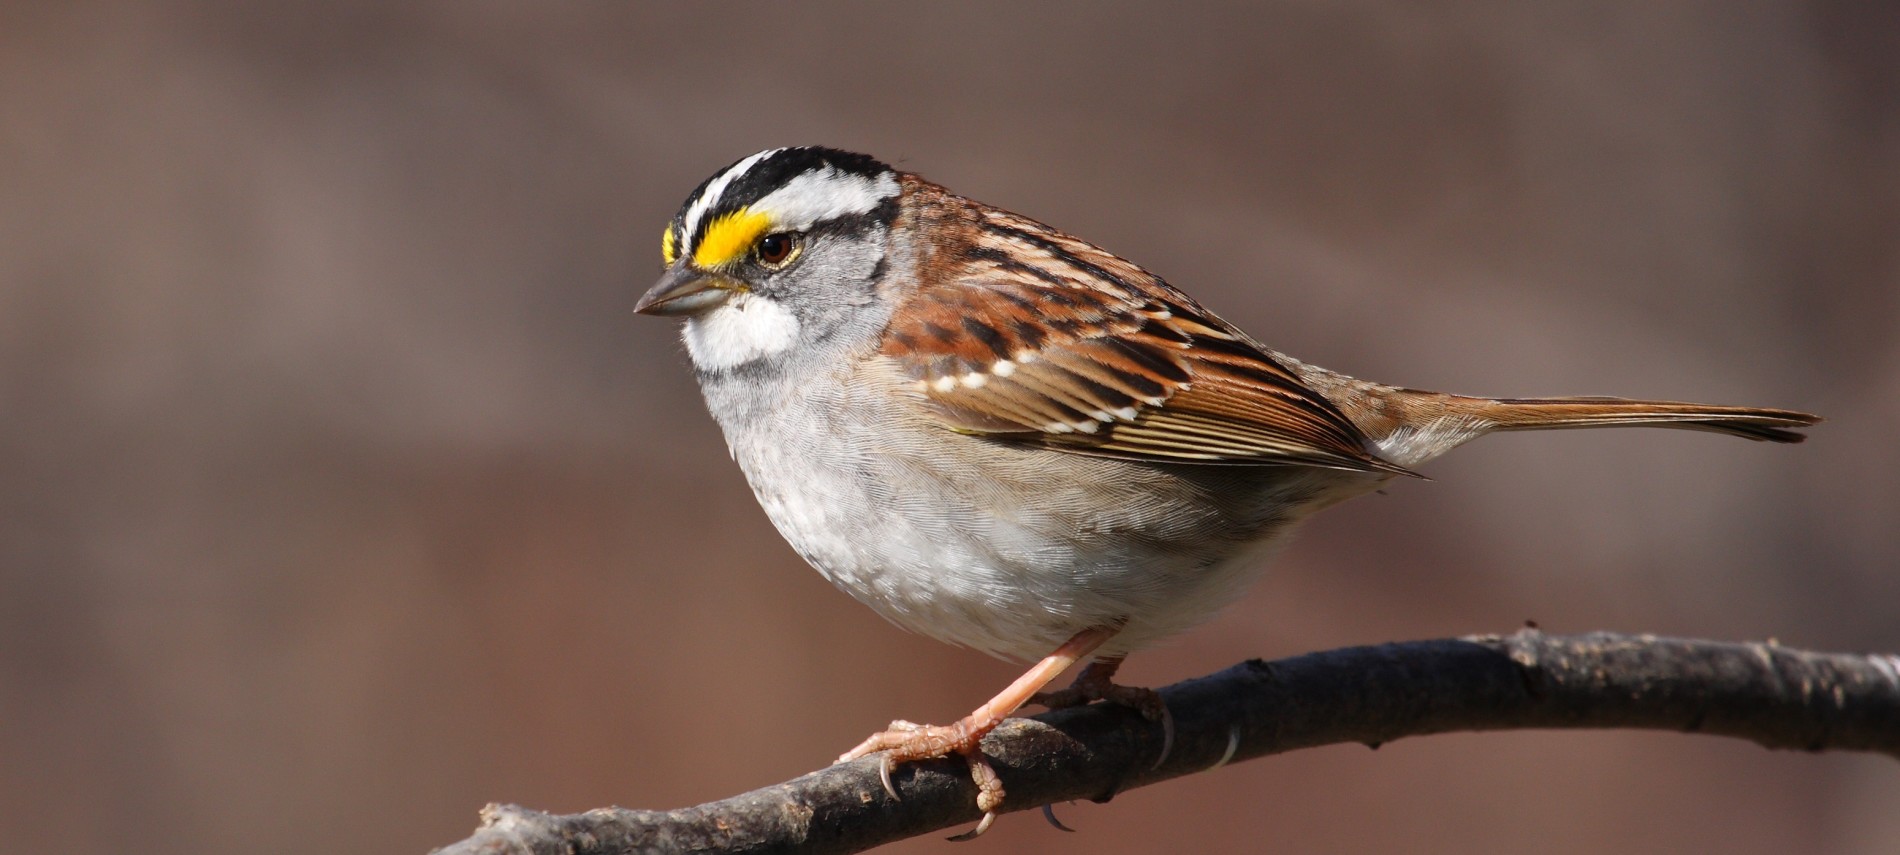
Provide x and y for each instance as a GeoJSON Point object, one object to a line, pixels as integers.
{"type": "Point", "coordinates": [1058, 343]}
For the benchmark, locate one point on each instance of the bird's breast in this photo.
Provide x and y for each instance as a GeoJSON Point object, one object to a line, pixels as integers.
{"type": "Point", "coordinates": [1006, 548]}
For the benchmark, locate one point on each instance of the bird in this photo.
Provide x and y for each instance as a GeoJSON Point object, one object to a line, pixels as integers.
{"type": "Point", "coordinates": [1001, 436]}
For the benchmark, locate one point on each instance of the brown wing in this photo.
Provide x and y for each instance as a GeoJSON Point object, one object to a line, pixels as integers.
{"type": "Point", "coordinates": [1034, 336]}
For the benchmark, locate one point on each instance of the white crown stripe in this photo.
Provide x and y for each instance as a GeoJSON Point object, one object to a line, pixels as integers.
{"type": "Point", "coordinates": [825, 194]}
{"type": "Point", "coordinates": [710, 196]}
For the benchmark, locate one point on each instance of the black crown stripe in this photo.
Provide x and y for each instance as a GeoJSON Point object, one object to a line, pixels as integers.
{"type": "Point", "coordinates": [774, 172]}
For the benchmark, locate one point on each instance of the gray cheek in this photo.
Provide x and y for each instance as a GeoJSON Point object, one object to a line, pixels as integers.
{"type": "Point", "coordinates": [832, 284]}
{"type": "Point", "coordinates": [837, 269]}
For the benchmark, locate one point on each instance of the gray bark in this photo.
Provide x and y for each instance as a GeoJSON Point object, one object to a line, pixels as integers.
{"type": "Point", "coordinates": [1775, 696]}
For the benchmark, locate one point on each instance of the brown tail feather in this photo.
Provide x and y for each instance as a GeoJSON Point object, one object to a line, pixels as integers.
{"type": "Point", "coordinates": [1537, 413]}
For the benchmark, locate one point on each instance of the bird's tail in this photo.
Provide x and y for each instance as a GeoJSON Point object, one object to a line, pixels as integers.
{"type": "Point", "coordinates": [1538, 413]}
{"type": "Point", "coordinates": [1410, 426]}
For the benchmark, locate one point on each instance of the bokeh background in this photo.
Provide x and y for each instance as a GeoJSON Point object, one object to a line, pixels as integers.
{"type": "Point", "coordinates": [341, 493]}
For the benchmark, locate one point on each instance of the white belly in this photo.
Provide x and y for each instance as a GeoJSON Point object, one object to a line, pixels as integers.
{"type": "Point", "coordinates": [1012, 550]}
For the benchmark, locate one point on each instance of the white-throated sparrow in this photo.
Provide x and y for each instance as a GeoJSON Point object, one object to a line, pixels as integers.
{"type": "Point", "coordinates": [1004, 437]}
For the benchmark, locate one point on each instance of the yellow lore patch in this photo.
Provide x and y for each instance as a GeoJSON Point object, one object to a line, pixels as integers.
{"type": "Point", "coordinates": [668, 252]}
{"type": "Point", "coordinates": [730, 237]}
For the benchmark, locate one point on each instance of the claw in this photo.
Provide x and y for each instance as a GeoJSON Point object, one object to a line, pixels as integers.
{"type": "Point", "coordinates": [884, 765]}
{"type": "Point", "coordinates": [982, 825]}
{"type": "Point", "coordinates": [1233, 744]}
{"type": "Point", "coordinates": [1167, 733]}
{"type": "Point", "coordinates": [989, 793]}
{"type": "Point", "coordinates": [1049, 813]}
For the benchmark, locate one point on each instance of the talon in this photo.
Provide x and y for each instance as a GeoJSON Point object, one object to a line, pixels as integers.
{"type": "Point", "coordinates": [982, 825]}
{"type": "Point", "coordinates": [1233, 744]}
{"type": "Point", "coordinates": [1049, 813]}
{"type": "Point", "coordinates": [1167, 733]}
{"type": "Point", "coordinates": [884, 774]}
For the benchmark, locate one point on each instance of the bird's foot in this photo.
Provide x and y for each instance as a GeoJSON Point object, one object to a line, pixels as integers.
{"type": "Point", "coordinates": [1095, 684]}
{"type": "Point", "coordinates": [907, 742]}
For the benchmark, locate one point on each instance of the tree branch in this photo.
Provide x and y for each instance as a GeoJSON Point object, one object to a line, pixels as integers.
{"type": "Point", "coordinates": [1775, 696]}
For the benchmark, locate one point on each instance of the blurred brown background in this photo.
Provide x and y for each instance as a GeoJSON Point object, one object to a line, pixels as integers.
{"type": "Point", "coordinates": [341, 493]}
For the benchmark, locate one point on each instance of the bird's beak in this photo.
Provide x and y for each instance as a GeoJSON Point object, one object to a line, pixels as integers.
{"type": "Point", "coordinates": [685, 291]}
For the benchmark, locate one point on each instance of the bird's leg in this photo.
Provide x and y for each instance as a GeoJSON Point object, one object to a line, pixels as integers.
{"type": "Point", "coordinates": [1095, 683]}
{"type": "Point", "coordinates": [905, 742]}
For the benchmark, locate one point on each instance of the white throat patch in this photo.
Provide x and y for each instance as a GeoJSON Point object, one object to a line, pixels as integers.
{"type": "Point", "coordinates": [746, 328]}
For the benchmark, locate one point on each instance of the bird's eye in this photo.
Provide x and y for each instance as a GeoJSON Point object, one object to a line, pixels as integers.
{"type": "Point", "coordinates": [777, 248]}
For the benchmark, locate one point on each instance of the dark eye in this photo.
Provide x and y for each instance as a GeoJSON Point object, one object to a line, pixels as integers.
{"type": "Point", "coordinates": [777, 248]}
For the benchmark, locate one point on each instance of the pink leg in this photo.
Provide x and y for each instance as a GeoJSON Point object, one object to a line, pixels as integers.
{"type": "Point", "coordinates": [905, 742]}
